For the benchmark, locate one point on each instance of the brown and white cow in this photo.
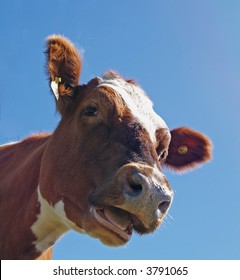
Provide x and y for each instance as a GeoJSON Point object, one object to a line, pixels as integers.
{"type": "Point", "coordinates": [99, 173]}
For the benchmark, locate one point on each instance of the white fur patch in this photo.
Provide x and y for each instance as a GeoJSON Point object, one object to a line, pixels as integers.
{"type": "Point", "coordinates": [59, 209]}
{"type": "Point", "coordinates": [48, 227]}
{"type": "Point", "coordinates": [54, 87]}
{"type": "Point", "coordinates": [51, 224]}
{"type": "Point", "coordinates": [9, 144]}
{"type": "Point", "coordinates": [137, 101]}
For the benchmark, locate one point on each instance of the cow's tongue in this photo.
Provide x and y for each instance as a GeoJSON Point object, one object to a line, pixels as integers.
{"type": "Point", "coordinates": [117, 217]}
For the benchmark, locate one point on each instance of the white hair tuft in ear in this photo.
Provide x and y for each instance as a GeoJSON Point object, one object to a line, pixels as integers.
{"type": "Point", "coordinates": [54, 86]}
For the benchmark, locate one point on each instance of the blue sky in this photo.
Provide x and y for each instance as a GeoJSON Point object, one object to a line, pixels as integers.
{"type": "Point", "coordinates": [186, 56]}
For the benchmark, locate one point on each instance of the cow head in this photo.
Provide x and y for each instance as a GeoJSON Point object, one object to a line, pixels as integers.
{"type": "Point", "coordinates": [102, 169]}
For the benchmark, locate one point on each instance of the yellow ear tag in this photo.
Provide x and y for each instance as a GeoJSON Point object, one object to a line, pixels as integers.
{"type": "Point", "coordinates": [54, 86]}
{"type": "Point", "coordinates": [57, 80]}
{"type": "Point", "coordinates": [182, 150]}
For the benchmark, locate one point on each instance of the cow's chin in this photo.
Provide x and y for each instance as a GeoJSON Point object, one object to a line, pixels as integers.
{"type": "Point", "coordinates": [114, 226]}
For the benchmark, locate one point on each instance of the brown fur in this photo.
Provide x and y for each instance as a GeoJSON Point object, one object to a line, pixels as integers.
{"type": "Point", "coordinates": [63, 61]}
{"type": "Point", "coordinates": [47, 255]}
{"type": "Point", "coordinates": [19, 206]}
{"type": "Point", "coordinates": [199, 149]}
{"type": "Point", "coordinates": [93, 165]}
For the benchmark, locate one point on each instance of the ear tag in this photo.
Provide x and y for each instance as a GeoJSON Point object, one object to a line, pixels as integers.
{"type": "Point", "coordinates": [182, 150]}
{"type": "Point", "coordinates": [54, 86]}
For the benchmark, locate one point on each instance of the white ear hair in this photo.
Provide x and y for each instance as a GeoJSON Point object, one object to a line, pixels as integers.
{"type": "Point", "coordinates": [54, 87]}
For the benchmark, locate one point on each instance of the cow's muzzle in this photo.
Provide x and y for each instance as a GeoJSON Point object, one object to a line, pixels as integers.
{"type": "Point", "coordinates": [147, 194]}
{"type": "Point", "coordinates": [138, 198]}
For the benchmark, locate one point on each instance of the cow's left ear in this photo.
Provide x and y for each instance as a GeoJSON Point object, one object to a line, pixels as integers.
{"type": "Point", "coordinates": [188, 149]}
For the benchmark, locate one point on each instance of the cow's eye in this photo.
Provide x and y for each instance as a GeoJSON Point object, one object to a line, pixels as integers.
{"type": "Point", "coordinates": [162, 154]}
{"type": "Point", "coordinates": [90, 111]}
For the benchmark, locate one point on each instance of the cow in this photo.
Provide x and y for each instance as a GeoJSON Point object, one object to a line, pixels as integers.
{"type": "Point", "coordinates": [100, 171]}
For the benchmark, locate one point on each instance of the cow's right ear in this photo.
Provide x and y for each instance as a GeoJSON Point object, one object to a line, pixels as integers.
{"type": "Point", "coordinates": [188, 149]}
{"type": "Point", "coordinates": [64, 67]}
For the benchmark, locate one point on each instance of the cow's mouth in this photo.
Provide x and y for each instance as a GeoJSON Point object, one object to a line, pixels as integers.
{"type": "Point", "coordinates": [115, 220]}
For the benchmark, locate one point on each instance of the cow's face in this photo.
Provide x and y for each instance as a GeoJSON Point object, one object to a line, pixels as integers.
{"type": "Point", "coordinates": [102, 169]}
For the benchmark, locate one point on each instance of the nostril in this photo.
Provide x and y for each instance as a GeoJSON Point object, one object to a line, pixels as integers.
{"type": "Point", "coordinates": [163, 206]}
{"type": "Point", "coordinates": [136, 188]}
{"type": "Point", "coordinates": [134, 184]}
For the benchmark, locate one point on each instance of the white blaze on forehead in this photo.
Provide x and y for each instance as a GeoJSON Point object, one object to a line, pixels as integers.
{"type": "Point", "coordinates": [136, 100]}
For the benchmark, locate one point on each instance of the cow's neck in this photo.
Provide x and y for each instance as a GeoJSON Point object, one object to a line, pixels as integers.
{"type": "Point", "coordinates": [48, 227]}
{"type": "Point", "coordinates": [21, 210]}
